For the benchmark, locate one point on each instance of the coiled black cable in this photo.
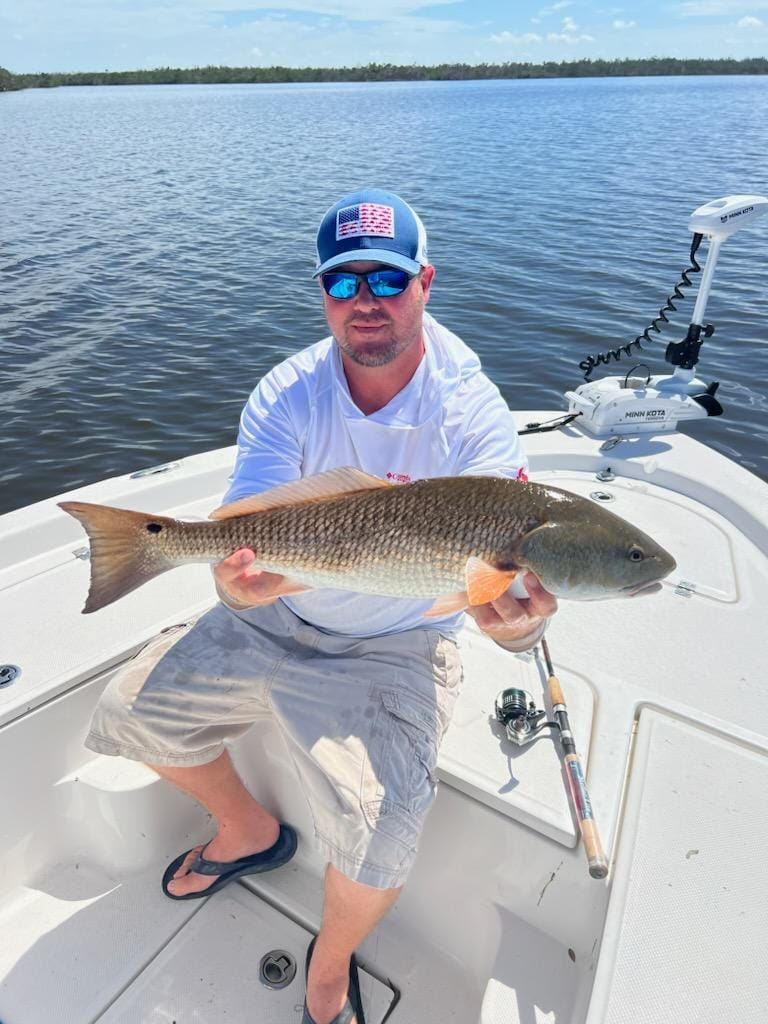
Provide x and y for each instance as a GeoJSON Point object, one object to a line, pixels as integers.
{"type": "Point", "coordinates": [591, 363]}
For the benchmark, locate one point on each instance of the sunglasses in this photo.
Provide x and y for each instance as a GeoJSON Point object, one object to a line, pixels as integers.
{"type": "Point", "coordinates": [381, 283]}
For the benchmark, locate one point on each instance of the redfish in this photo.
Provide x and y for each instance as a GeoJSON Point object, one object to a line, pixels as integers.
{"type": "Point", "coordinates": [458, 540]}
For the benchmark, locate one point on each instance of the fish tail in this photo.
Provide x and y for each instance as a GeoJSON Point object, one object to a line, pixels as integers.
{"type": "Point", "coordinates": [123, 555]}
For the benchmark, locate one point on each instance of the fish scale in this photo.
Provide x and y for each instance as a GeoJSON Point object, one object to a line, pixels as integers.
{"type": "Point", "coordinates": [411, 540]}
{"type": "Point", "coordinates": [435, 538]}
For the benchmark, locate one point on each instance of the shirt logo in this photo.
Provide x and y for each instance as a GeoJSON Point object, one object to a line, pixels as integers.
{"type": "Point", "coordinates": [522, 475]}
{"type": "Point", "coordinates": [400, 478]}
{"type": "Point", "coordinates": [365, 219]}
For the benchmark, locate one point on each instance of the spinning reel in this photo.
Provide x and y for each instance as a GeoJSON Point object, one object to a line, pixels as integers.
{"type": "Point", "coordinates": [516, 710]}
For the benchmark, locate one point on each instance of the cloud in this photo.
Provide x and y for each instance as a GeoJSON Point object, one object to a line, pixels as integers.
{"type": "Point", "coordinates": [350, 10]}
{"type": "Point", "coordinates": [124, 34]}
{"type": "Point", "coordinates": [570, 34]}
{"type": "Point", "coordinates": [749, 23]}
{"type": "Point", "coordinates": [512, 39]}
{"type": "Point", "coordinates": [545, 11]}
{"type": "Point", "coordinates": [624, 24]}
{"type": "Point", "coordinates": [561, 37]}
{"type": "Point", "coordinates": [716, 8]}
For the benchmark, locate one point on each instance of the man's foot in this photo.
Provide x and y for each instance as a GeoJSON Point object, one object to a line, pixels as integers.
{"type": "Point", "coordinates": [228, 845]}
{"type": "Point", "coordinates": [328, 983]}
{"type": "Point", "coordinates": [326, 999]}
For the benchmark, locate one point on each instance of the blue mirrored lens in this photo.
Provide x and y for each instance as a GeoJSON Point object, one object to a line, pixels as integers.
{"type": "Point", "coordinates": [341, 286]}
{"type": "Point", "coordinates": [382, 283]}
{"type": "Point", "coordinates": [387, 282]}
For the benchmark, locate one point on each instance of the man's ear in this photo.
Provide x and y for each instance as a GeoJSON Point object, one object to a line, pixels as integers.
{"type": "Point", "coordinates": [426, 277]}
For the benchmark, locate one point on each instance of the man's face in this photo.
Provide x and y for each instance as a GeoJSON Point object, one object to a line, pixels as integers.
{"type": "Point", "coordinates": [374, 331]}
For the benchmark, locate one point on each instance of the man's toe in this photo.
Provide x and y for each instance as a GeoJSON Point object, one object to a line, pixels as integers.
{"type": "Point", "coordinates": [185, 881]}
{"type": "Point", "coordinates": [183, 868]}
{"type": "Point", "coordinates": [190, 883]}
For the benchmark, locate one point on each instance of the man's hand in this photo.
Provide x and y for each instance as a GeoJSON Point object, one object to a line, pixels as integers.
{"type": "Point", "coordinates": [241, 586]}
{"type": "Point", "coordinates": [512, 621]}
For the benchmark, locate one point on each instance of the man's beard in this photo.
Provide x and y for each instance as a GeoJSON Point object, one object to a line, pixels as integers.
{"type": "Point", "coordinates": [384, 353]}
{"type": "Point", "coordinates": [377, 353]}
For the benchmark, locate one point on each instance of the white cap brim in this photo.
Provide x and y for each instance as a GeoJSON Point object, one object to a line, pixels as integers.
{"type": "Point", "coordinates": [385, 256]}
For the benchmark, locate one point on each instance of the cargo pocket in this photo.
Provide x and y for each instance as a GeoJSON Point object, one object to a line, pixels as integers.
{"type": "Point", "coordinates": [445, 659]}
{"type": "Point", "coordinates": [399, 781]}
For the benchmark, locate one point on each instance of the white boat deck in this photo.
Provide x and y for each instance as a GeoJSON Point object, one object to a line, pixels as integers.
{"type": "Point", "coordinates": [500, 921]}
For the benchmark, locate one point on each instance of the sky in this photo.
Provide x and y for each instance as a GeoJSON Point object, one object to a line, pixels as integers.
{"type": "Point", "coordinates": [115, 35]}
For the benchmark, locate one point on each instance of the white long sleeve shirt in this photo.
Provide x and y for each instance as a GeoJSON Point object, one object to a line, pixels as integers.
{"type": "Point", "coordinates": [449, 420]}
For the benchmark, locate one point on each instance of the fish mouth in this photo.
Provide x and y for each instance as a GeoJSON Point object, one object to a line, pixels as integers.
{"type": "Point", "coordinates": [635, 590]}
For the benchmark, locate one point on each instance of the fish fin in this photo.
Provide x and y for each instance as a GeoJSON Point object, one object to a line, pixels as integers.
{"type": "Point", "coordinates": [485, 582]}
{"type": "Point", "coordinates": [330, 484]}
{"type": "Point", "coordinates": [447, 604]}
{"type": "Point", "coordinates": [289, 586]}
{"type": "Point", "coordinates": [122, 555]}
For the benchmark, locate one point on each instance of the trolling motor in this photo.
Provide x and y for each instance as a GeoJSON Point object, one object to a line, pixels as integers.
{"type": "Point", "coordinates": [644, 404]}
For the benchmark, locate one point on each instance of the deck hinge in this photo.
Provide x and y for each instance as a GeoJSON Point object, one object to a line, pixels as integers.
{"type": "Point", "coordinates": [685, 588]}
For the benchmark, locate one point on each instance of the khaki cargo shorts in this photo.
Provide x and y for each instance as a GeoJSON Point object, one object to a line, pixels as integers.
{"type": "Point", "coordinates": [362, 719]}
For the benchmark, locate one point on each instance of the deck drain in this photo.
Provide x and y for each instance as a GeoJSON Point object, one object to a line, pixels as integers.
{"type": "Point", "coordinates": [277, 969]}
{"type": "Point", "coordinates": [602, 496]}
{"type": "Point", "coordinates": [8, 674]}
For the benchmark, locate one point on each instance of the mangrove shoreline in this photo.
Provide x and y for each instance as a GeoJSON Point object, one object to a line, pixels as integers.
{"type": "Point", "coordinates": [211, 75]}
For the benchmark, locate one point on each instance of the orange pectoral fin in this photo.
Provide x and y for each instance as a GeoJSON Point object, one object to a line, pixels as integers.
{"type": "Point", "coordinates": [448, 604]}
{"type": "Point", "coordinates": [485, 582]}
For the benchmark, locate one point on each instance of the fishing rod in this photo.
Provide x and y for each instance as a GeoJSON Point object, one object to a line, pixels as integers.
{"type": "Point", "coordinates": [516, 710]}
{"type": "Point", "coordinates": [574, 773]}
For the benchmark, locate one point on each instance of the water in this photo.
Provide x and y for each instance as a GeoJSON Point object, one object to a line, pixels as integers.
{"type": "Point", "coordinates": [157, 241]}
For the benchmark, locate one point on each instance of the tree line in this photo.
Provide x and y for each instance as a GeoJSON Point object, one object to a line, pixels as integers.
{"type": "Point", "coordinates": [211, 74]}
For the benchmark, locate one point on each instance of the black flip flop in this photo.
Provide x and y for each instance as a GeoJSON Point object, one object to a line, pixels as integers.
{"type": "Point", "coordinates": [277, 855]}
{"type": "Point", "coordinates": [353, 1008]}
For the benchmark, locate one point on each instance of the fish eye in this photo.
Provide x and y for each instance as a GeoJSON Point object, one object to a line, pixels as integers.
{"type": "Point", "coordinates": [154, 527]}
{"type": "Point", "coordinates": [636, 554]}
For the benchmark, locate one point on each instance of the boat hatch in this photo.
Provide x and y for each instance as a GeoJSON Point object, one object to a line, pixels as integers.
{"type": "Point", "coordinates": [685, 934]}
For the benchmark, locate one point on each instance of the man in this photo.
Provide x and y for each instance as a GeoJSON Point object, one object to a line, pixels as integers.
{"type": "Point", "coordinates": [361, 687]}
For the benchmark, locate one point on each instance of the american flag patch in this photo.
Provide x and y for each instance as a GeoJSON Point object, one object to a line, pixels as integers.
{"type": "Point", "coordinates": [365, 219]}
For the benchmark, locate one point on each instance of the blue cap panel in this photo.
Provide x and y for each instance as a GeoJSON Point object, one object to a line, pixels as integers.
{"type": "Point", "coordinates": [371, 225]}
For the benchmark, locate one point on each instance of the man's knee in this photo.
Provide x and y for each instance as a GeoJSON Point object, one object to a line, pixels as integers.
{"type": "Point", "coordinates": [123, 723]}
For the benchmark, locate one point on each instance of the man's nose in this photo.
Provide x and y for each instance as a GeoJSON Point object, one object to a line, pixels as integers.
{"type": "Point", "coordinates": [365, 299]}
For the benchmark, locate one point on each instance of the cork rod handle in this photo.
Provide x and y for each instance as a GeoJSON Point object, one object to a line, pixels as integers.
{"type": "Point", "coordinates": [577, 783]}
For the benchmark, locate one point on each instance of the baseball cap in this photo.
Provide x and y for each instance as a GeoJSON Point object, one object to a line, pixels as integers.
{"type": "Point", "coordinates": [371, 224]}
